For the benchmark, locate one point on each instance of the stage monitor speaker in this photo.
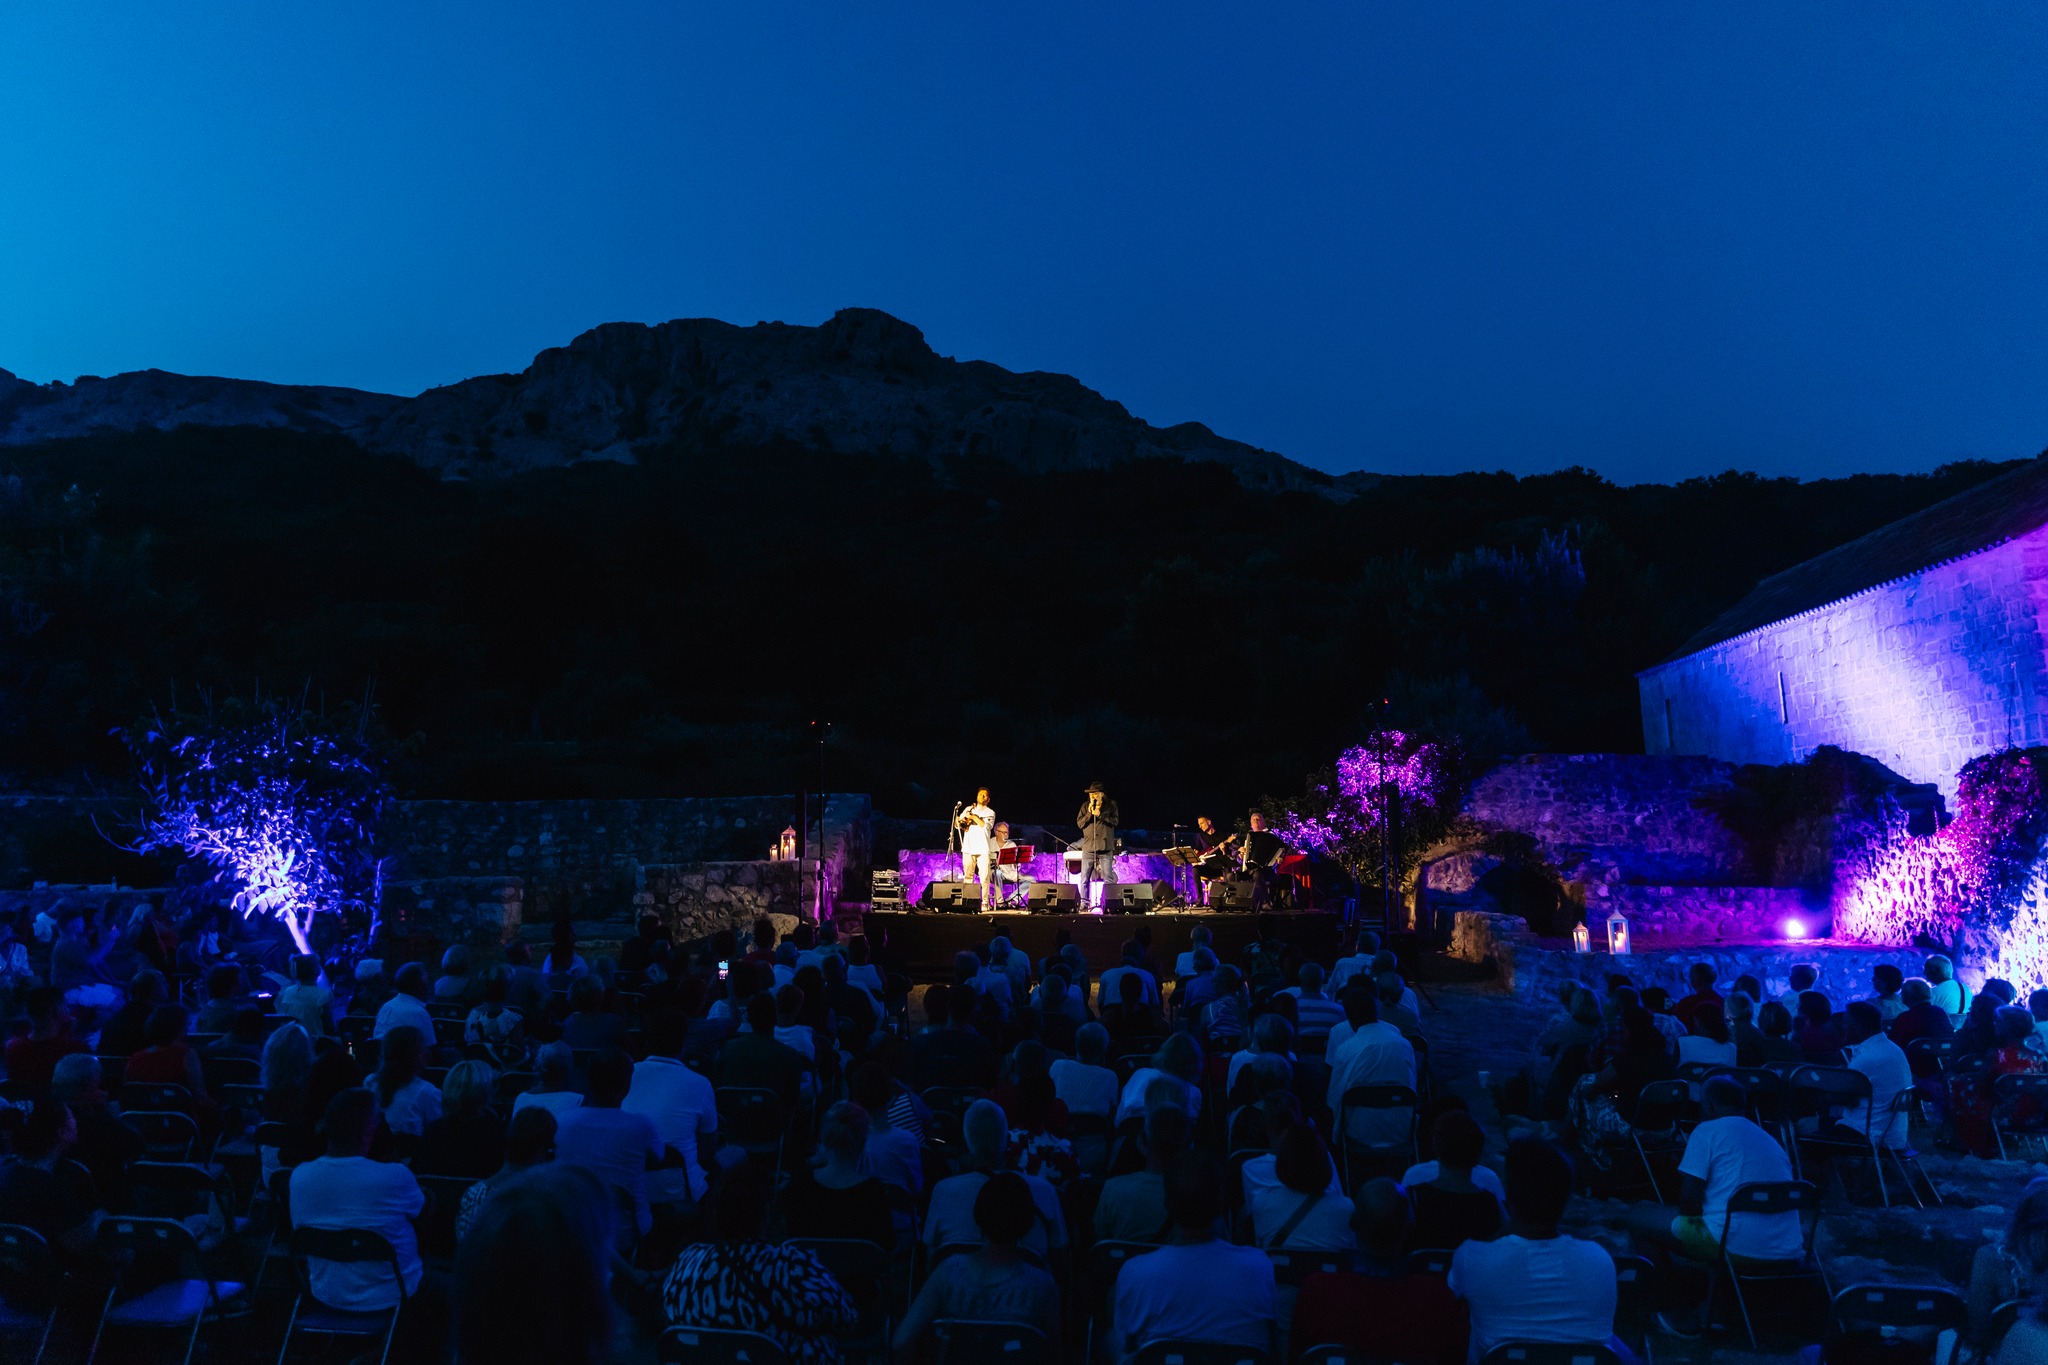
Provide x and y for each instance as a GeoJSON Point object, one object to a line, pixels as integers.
{"type": "Point", "coordinates": [1051, 898]}
{"type": "Point", "coordinates": [957, 897]}
{"type": "Point", "coordinates": [1135, 898]}
{"type": "Point", "coordinates": [1228, 893]}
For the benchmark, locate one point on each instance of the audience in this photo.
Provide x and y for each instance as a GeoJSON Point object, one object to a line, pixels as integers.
{"type": "Point", "coordinates": [529, 1142]}
{"type": "Point", "coordinates": [837, 1196]}
{"type": "Point", "coordinates": [1380, 1308]}
{"type": "Point", "coordinates": [407, 1007]}
{"type": "Point", "coordinates": [409, 1100]}
{"type": "Point", "coordinates": [1534, 1283]}
{"type": "Point", "coordinates": [682, 1106]}
{"type": "Point", "coordinates": [346, 1189]}
{"type": "Point", "coordinates": [33, 1056]}
{"type": "Point", "coordinates": [1132, 1207]}
{"type": "Point", "coordinates": [1197, 1287]}
{"type": "Point", "coordinates": [1300, 1212]}
{"type": "Point", "coordinates": [741, 1280]}
{"type": "Point", "coordinates": [949, 1216]}
{"type": "Point", "coordinates": [467, 1140]}
{"type": "Point", "coordinates": [531, 1281]}
{"type": "Point", "coordinates": [1456, 1199]}
{"type": "Point", "coordinates": [997, 1281]}
{"type": "Point", "coordinates": [613, 1144]}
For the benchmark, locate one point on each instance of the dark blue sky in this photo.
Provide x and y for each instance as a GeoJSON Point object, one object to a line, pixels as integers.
{"type": "Point", "coordinates": [1658, 240]}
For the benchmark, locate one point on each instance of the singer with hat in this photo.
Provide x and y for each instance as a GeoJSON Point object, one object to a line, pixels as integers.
{"type": "Point", "coordinates": [1098, 820]}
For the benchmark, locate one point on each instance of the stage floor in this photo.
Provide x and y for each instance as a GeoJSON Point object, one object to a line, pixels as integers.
{"type": "Point", "coordinates": [923, 942]}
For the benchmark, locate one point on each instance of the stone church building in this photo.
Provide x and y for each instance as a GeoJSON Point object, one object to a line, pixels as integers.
{"type": "Point", "coordinates": [1923, 645]}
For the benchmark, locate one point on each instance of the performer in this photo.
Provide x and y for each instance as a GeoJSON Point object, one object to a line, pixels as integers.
{"type": "Point", "coordinates": [1215, 859]}
{"type": "Point", "coordinates": [1010, 874]}
{"type": "Point", "coordinates": [975, 822]}
{"type": "Point", "coordinates": [1098, 821]}
{"type": "Point", "coordinates": [1262, 849]}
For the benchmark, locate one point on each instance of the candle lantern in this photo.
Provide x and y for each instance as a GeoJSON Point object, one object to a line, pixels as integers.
{"type": "Point", "coordinates": [1617, 933]}
{"type": "Point", "coordinates": [1581, 939]}
{"type": "Point", "coordinates": [788, 845]}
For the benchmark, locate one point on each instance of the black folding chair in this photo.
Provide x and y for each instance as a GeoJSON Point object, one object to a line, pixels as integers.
{"type": "Point", "coordinates": [1292, 1268]}
{"type": "Point", "coordinates": [1431, 1261]}
{"type": "Point", "coordinates": [185, 1300]}
{"type": "Point", "coordinates": [1769, 1099]}
{"type": "Point", "coordinates": [1106, 1260]}
{"type": "Point", "coordinates": [2012, 1093]}
{"type": "Point", "coordinates": [1635, 1309]}
{"type": "Point", "coordinates": [1659, 1108]}
{"type": "Point", "coordinates": [719, 1346]}
{"type": "Point", "coordinates": [1198, 1353]}
{"type": "Point", "coordinates": [862, 1269]}
{"type": "Point", "coordinates": [166, 1134]}
{"type": "Point", "coordinates": [1383, 1099]}
{"type": "Point", "coordinates": [1551, 1353]}
{"type": "Point", "coordinates": [1763, 1199]}
{"type": "Point", "coordinates": [436, 1223]}
{"type": "Point", "coordinates": [29, 1278]}
{"type": "Point", "coordinates": [963, 1341]}
{"type": "Point", "coordinates": [309, 1314]}
{"type": "Point", "coordinates": [754, 1119]}
{"type": "Point", "coordinates": [1892, 1312]}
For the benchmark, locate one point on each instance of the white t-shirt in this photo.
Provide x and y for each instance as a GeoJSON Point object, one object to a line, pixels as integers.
{"type": "Point", "coordinates": [1697, 1047]}
{"type": "Point", "coordinates": [1085, 1089]}
{"type": "Point", "coordinates": [1241, 1059]}
{"type": "Point", "coordinates": [1374, 1055]}
{"type": "Point", "coordinates": [683, 1108]}
{"type": "Point", "coordinates": [403, 1009]}
{"type": "Point", "coordinates": [1109, 990]}
{"type": "Point", "coordinates": [800, 1039]}
{"type": "Point", "coordinates": [614, 1146]}
{"type": "Point", "coordinates": [1325, 1227]}
{"type": "Point", "coordinates": [1559, 1289]}
{"type": "Point", "coordinates": [1484, 1177]}
{"type": "Point", "coordinates": [1258, 1178]}
{"type": "Point", "coordinates": [974, 838]}
{"type": "Point", "coordinates": [558, 1102]}
{"type": "Point", "coordinates": [1203, 1291]}
{"type": "Point", "coordinates": [1343, 970]}
{"type": "Point", "coordinates": [949, 1219]}
{"type": "Point", "coordinates": [1729, 1153]}
{"type": "Point", "coordinates": [375, 1196]}
{"type": "Point", "coordinates": [1884, 1061]}
{"type": "Point", "coordinates": [1948, 997]}
{"type": "Point", "coordinates": [1132, 1105]}
{"type": "Point", "coordinates": [893, 1158]}
{"type": "Point", "coordinates": [416, 1105]}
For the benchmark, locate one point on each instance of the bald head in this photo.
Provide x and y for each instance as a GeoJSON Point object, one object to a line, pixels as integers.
{"type": "Point", "coordinates": [1382, 1219]}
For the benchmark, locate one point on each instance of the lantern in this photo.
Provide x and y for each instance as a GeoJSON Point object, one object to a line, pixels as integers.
{"type": "Point", "coordinates": [1581, 939]}
{"type": "Point", "coordinates": [788, 845]}
{"type": "Point", "coordinates": [1617, 933]}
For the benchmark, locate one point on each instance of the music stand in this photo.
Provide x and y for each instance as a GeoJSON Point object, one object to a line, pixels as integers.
{"type": "Point", "coordinates": [1182, 859]}
{"type": "Point", "coordinates": [1017, 855]}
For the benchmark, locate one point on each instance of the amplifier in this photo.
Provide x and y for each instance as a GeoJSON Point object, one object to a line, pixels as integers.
{"type": "Point", "coordinates": [1052, 897]}
{"type": "Point", "coordinates": [956, 897]}
{"type": "Point", "coordinates": [1135, 898]}
{"type": "Point", "coordinates": [1230, 893]}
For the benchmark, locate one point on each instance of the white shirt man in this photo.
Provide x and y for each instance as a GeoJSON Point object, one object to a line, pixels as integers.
{"type": "Point", "coordinates": [1005, 876]}
{"type": "Point", "coordinates": [1374, 1054]}
{"type": "Point", "coordinates": [1884, 1062]}
{"type": "Point", "coordinates": [1204, 1291]}
{"type": "Point", "coordinates": [1109, 990]}
{"type": "Point", "coordinates": [975, 823]}
{"type": "Point", "coordinates": [949, 1218]}
{"type": "Point", "coordinates": [1346, 968]}
{"type": "Point", "coordinates": [1728, 1153]}
{"type": "Point", "coordinates": [375, 1196]}
{"type": "Point", "coordinates": [684, 1109]}
{"type": "Point", "coordinates": [1535, 1289]}
{"type": "Point", "coordinates": [403, 1009]}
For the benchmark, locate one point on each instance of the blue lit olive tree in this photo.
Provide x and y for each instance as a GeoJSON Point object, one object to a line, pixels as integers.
{"type": "Point", "coordinates": [282, 800]}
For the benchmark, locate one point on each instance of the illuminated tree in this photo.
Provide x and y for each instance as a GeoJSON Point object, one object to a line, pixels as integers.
{"type": "Point", "coordinates": [1397, 787]}
{"type": "Point", "coordinates": [282, 800]}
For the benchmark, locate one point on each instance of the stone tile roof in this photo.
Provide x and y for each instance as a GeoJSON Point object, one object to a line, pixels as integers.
{"type": "Point", "coordinates": [1989, 514]}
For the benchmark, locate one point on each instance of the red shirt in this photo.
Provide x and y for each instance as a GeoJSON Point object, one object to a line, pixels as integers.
{"type": "Point", "coordinates": [1415, 1319]}
{"type": "Point", "coordinates": [31, 1060]}
{"type": "Point", "coordinates": [1687, 1011]}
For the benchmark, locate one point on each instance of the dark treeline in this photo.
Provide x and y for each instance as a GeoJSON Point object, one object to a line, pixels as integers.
{"type": "Point", "coordinates": [674, 628]}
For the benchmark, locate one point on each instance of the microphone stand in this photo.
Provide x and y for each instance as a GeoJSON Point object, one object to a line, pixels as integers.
{"type": "Point", "coordinates": [954, 872]}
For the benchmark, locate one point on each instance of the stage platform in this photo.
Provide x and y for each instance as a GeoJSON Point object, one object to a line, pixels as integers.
{"type": "Point", "coordinates": [924, 941]}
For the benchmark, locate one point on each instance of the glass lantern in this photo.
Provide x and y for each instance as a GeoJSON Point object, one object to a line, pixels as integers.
{"type": "Point", "coordinates": [1617, 933]}
{"type": "Point", "coordinates": [1582, 939]}
{"type": "Point", "coordinates": [788, 844]}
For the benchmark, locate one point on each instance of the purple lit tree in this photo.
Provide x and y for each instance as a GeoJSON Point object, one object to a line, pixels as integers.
{"type": "Point", "coordinates": [1397, 782]}
{"type": "Point", "coordinates": [283, 801]}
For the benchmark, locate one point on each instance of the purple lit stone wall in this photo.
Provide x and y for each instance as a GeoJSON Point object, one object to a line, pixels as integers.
{"type": "Point", "coordinates": [1923, 674]}
{"type": "Point", "coordinates": [921, 867]}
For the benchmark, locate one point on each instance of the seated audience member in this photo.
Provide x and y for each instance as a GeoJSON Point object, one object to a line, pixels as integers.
{"type": "Point", "coordinates": [407, 1008]}
{"type": "Point", "coordinates": [1132, 1207]}
{"type": "Point", "coordinates": [1884, 1062]}
{"type": "Point", "coordinates": [836, 1196]}
{"type": "Point", "coordinates": [1301, 1213]}
{"type": "Point", "coordinates": [1887, 981]}
{"type": "Point", "coordinates": [1775, 1047]}
{"type": "Point", "coordinates": [1224, 1019]}
{"type": "Point", "coordinates": [169, 1059]}
{"type": "Point", "coordinates": [648, 946]}
{"type": "Point", "coordinates": [1178, 1059]}
{"type": "Point", "coordinates": [1198, 987]}
{"type": "Point", "coordinates": [1742, 1030]}
{"type": "Point", "coordinates": [1971, 1093]}
{"type": "Point", "coordinates": [1534, 1283]}
{"type": "Point", "coordinates": [1704, 999]}
{"type": "Point", "coordinates": [741, 1281]}
{"type": "Point", "coordinates": [1197, 1287]}
{"type": "Point", "coordinates": [39, 1189]}
{"type": "Point", "coordinates": [306, 1000]}
{"type": "Point", "coordinates": [1278, 1112]}
{"type": "Point", "coordinates": [1724, 1153]}
{"type": "Point", "coordinates": [468, 1140]}
{"type": "Point", "coordinates": [790, 1031]}
{"type": "Point", "coordinates": [894, 1154]}
{"type": "Point", "coordinates": [949, 1218]}
{"type": "Point", "coordinates": [457, 984]}
{"type": "Point", "coordinates": [1392, 991]}
{"type": "Point", "coordinates": [1035, 1147]}
{"type": "Point", "coordinates": [1748, 985]}
{"type": "Point", "coordinates": [494, 1025]}
{"type": "Point", "coordinates": [563, 963]}
{"type": "Point", "coordinates": [1271, 1036]}
{"type": "Point", "coordinates": [1379, 1308]}
{"type": "Point", "coordinates": [1358, 961]}
{"type": "Point", "coordinates": [529, 1142]}
{"type": "Point", "coordinates": [1082, 1082]}
{"type": "Point", "coordinates": [1131, 963]}
{"type": "Point", "coordinates": [33, 1056]}
{"type": "Point", "coordinates": [538, 1249]}
{"type": "Point", "coordinates": [1130, 1015]}
{"type": "Point", "coordinates": [554, 1088]}
{"type": "Point", "coordinates": [125, 1032]}
{"type": "Point", "coordinates": [1921, 1018]}
{"type": "Point", "coordinates": [615, 1146]}
{"type": "Point", "coordinates": [1947, 994]}
{"type": "Point", "coordinates": [1801, 979]}
{"type": "Point", "coordinates": [1709, 1041]}
{"type": "Point", "coordinates": [346, 1189]}
{"type": "Point", "coordinates": [2015, 1268]}
{"type": "Point", "coordinates": [1453, 1205]}
{"type": "Point", "coordinates": [2037, 1005]}
{"type": "Point", "coordinates": [996, 1282]}
{"type": "Point", "coordinates": [862, 972]}
{"type": "Point", "coordinates": [242, 1042]}
{"type": "Point", "coordinates": [1978, 1033]}
{"type": "Point", "coordinates": [857, 1012]}
{"type": "Point", "coordinates": [1314, 1011]}
{"type": "Point", "coordinates": [682, 1106]}
{"type": "Point", "coordinates": [1657, 1001]}
{"type": "Point", "coordinates": [755, 1060]}
{"type": "Point", "coordinates": [589, 1027]}
{"type": "Point", "coordinates": [408, 1099]}
{"type": "Point", "coordinates": [950, 1051]}
{"type": "Point", "coordinates": [106, 1144]}
{"type": "Point", "coordinates": [1374, 1054]}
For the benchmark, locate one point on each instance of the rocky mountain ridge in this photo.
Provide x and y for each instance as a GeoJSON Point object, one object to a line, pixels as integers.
{"type": "Point", "coordinates": [862, 382]}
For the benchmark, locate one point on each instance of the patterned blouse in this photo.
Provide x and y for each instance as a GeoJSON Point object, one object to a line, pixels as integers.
{"type": "Point", "coordinates": [780, 1291]}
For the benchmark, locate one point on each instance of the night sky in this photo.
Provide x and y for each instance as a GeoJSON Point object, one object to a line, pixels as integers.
{"type": "Point", "coordinates": [1654, 239]}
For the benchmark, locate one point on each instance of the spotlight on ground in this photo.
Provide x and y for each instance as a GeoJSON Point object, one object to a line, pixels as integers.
{"type": "Point", "coordinates": [1794, 928]}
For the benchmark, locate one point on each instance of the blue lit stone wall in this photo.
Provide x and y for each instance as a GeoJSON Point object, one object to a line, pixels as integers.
{"type": "Point", "coordinates": [1922, 674]}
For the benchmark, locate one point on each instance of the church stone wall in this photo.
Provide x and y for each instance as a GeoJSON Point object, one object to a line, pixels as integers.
{"type": "Point", "coordinates": [1922, 674]}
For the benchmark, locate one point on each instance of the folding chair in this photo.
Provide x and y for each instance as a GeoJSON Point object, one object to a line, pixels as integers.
{"type": "Point", "coordinates": [168, 1304]}
{"type": "Point", "coordinates": [1551, 1353]}
{"type": "Point", "coordinates": [1092, 1130]}
{"type": "Point", "coordinates": [1431, 1261]}
{"type": "Point", "coordinates": [1764, 1198]}
{"type": "Point", "coordinates": [166, 1134]}
{"type": "Point", "coordinates": [509, 1086]}
{"type": "Point", "coordinates": [1828, 1090]}
{"type": "Point", "coordinates": [1659, 1108]}
{"type": "Point", "coordinates": [1328, 1354]}
{"type": "Point", "coordinates": [963, 1341]}
{"type": "Point", "coordinates": [1292, 1268]}
{"type": "Point", "coordinates": [862, 1270]}
{"type": "Point", "coordinates": [2011, 1092]}
{"type": "Point", "coordinates": [1106, 1261]}
{"type": "Point", "coordinates": [1382, 1098]}
{"type": "Point", "coordinates": [1890, 1311]}
{"type": "Point", "coordinates": [949, 1105]}
{"type": "Point", "coordinates": [436, 1223]}
{"type": "Point", "coordinates": [220, 1071]}
{"type": "Point", "coordinates": [1198, 1353]}
{"type": "Point", "coordinates": [1635, 1309]}
{"type": "Point", "coordinates": [1769, 1099]}
{"type": "Point", "coordinates": [752, 1118]}
{"type": "Point", "coordinates": [718, 1346]}
{"type": "Point", "coordinates": [28, 1285]}
{"type": "Point", "coordinates": [113, 1073]}
{"type": "Point", "coordinates": [309, 1314]}
{"type": "Point", "coordinates": [183, 1190]}
{"type": "Point", "coordinates": [156, 1095]}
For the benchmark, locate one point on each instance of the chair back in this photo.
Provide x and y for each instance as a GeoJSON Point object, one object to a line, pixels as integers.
{"type": "Point", "coordinates": [1198, 1353]}
{"type": "Point", "coordinates": [1378, 1097]}
{"type": "Point", "coordinates": [166, 1134]}
{"type": "Point", "coordinates": [1890, 1308]}
{"type": "Point", "coordinates": [950, 1099]}
{"type": "Point", "coordinates": [749, 1114]}
{"type": "Point", "coordinates": [1765, 1088]}
{"type": "Point", "coordinates": [1551, 1353]}
{"type": "Point", "coordinates": [1772, 1197]}
{"type": "Point", "coordinates": [860, 1266]}
{"type": "Point", "coordinates": [123, 1239]}
{"type": "Point", "coordinates": [1829, 1089]}
{"type": "Point", "coordinates": [436, 1222]}
{"type": "Point", "coordinates": [347, 1245]}
{"type": "Point", "coordinates": [1931, 1053]}
{"type": "Point", "coordinates": [28, 1269]}
{"type": "Point", "coordinates": [1292, 1268]}
{"type": "Point", "coordinates": [161, 1095]}
{"type": "Point", "coordinates": [719, 1346]}
{"type": "Point", "coordinates": [1661, 1104]}
{"type": "Point", "coordinates": [963, 1341]}
{"type": "Point", "coordinates": [1327, 1354]}
{"type": "Point", "coordinates": [1431, 1261]}
{"type": "Point", "coordinates": [179, 1189]}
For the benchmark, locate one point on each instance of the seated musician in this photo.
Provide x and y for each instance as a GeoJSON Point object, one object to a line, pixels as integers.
{"type": "Point", "coordinates": [1215, 846]}
{"type": "Point", "coordinates": [1007, 875]}
{"type": "Point", "coordinates": [1262, 849]}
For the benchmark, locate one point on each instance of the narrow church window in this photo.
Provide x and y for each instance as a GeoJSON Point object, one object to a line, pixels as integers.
{"type": "Point", "coordinates": [1669, 742]}
{"type": "Point", "coordinates": [1784, 706]}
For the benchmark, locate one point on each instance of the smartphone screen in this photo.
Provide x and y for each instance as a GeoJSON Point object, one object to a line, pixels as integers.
{"type": "Point", "coordinates": [723, 968]}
